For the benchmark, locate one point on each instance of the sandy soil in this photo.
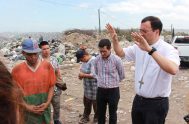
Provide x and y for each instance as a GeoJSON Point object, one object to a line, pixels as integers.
{"type": "Point", "coordinates": [72, 105]}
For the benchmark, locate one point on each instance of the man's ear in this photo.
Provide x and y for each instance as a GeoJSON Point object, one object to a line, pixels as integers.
{"type": "Point", "coordinates": [158, 32]}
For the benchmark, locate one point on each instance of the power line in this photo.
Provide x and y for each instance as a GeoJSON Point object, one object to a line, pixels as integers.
{"type": "Point", "coordinates": [63, 4]}
{"type": "Point", "coordinates": [72, 5]}
{"type": "Point", "coordinates": [91, 8]}
{"type": "Point", "coordinates": [112, 17]}
{"type": "Point", "coordinates": [66, 4]}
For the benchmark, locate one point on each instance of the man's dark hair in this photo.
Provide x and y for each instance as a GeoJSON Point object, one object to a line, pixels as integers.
{"type": "Point", "coordinates": [155, 23]}
{"type": "Point", "coordinates": [104, 42]}
{"type": "Point", "coordinates": [42, 43]}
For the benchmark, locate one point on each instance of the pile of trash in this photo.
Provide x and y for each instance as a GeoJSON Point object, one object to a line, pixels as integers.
{"type": "Point", "coordinates": [63, 48]}
{"type": "Point", "coordinates": [13, 50]}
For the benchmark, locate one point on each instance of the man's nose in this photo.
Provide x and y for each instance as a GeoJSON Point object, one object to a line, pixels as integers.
{"type": "Point", "coordinates": [102, 53]}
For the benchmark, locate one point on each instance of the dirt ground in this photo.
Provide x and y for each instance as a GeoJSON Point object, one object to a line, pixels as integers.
{"type": "Point", "coordinates": [72, 105]}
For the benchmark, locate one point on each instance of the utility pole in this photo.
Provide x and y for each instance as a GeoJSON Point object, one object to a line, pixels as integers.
{"type": "Point", "coordinates": [99, 21]}
{"type": "Point", "coordinates": [172, 31]}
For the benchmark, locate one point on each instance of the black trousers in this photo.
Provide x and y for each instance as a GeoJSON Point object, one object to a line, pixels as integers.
{"type": "Point", "coordinates": [149, 110]}
{"type": "Point", "coordinates": [88, 106]}
{"type": "Point", "coordinates": [108, 97]}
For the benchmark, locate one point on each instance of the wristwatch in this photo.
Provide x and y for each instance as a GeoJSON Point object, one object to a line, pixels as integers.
{"type": "Point", "coordinates": [152, 51]}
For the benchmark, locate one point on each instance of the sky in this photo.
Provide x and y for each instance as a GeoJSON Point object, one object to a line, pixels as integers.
{"type": "Point", "coordinates": [61, 15]}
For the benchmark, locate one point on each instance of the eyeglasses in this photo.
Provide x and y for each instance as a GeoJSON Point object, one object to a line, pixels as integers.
{"type": "Point", "coordinates": [144, 31]}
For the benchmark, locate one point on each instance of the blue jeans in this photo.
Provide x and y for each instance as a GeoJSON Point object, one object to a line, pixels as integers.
{"type": "Point", "coordinates": [110, 97]}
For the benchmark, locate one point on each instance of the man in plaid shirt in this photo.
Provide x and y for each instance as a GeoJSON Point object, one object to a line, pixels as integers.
{"type": "Point", "coordinates": [87, 73]}
{"type": "Point", "coordinates": [109, 72]}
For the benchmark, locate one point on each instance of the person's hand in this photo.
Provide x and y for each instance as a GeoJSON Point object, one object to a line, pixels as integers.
{"type": "Point", "coordinates": [140, 41]}
{"type": "Point", "coordinates": [42, 107]}
{"type": "Point", "coordinates": [33, 109]}
{"type": "Point", "coordinates": [81, 75]}
{"type": "Point", "coordinates": [111, 31]}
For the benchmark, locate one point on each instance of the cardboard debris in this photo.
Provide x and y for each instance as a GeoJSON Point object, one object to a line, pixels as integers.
{"type": "Point", "coordinates": [69, 99]}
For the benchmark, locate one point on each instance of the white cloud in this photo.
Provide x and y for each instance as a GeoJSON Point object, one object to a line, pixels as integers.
{"type": "Point", "coordinates": [173, 11]}
{"type": "Point", "coordinates": [84, 5]}
{"type": "Point", "coordinates": [149, 6]}
{"type": "Point", "coordinates": [140, 6]}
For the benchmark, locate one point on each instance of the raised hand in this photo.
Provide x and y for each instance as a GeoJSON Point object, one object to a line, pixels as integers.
{"type": "Point", "coordinates": [111, 31]}
{"type": "Point", "coordinates": [140, 41]}
{"type": "Point", "coordinates": [117, 48]}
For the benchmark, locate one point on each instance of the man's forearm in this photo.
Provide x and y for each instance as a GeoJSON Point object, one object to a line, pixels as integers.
{"type": "Point", "coordinates": [25, 105]}
{"type": "Point", "coordinates": [117, 48]}
{"type": "Point", "coordinates": [58, 76]}
{"type": "Point", "coordinates": [167, 65]}
{"type": "Point", "coordinates": [50, 95]}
